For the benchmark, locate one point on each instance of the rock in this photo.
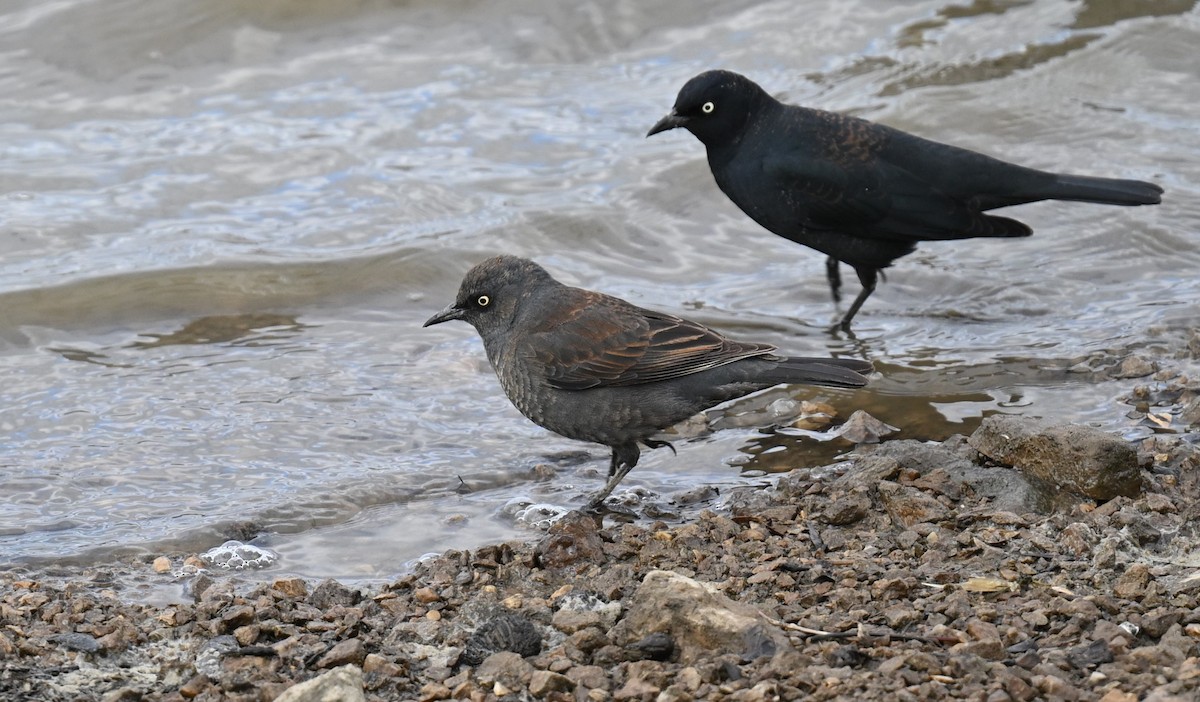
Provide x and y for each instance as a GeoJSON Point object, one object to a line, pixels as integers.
{"type": "Point", "coordinates": [426, 595]}
{"type": "Point", "coordinates": [1008, 490]}
{"type": "Point", "coordinates": [1078, 538]}
{"type": "Point", "coordinates": [543, 682]}
{"type": "Point", "coordinates": [1093, 654]}
{"type": "Point", "coordinates": [332, 593]}
{"type": "Point", "coordinates": [1135, 367]}
{"type": "Point", "coordinates": [505, 632]}
{"type": "Point", "coordinates": [570, 541]}
{"type": "Point", "coordinates": [701, 623]}
{"type": "Point", "coordinates": [1157, 622]}
{"type": "Point", "coordinates": [247, 635]}
{"type": "Point", "coordinates": [1131, 585]}
{"type": "Point", "coordinates": [636, 689]}
{"type": "Point", "coordinates": [433, 691]}
{"type": "Point", "coordinates": [590, 676]}
{"type": "Point", "coordinates": [570, 621]}
{"type": "Point", "coordinates": [990, 649]}
{"type": "Point", "coordinates": [656, 647]}
{"type": "Point", "coordinates": [350, 651]}
{"type": "Point", "coordinates": [504, 667]}
{"type": "Point", "coordinates": [847, 510]}
{"type": "Point", "coordinates": [162, 564]}
{"type": "Point", "coordinates": [236, 616]}
{"type": "Point", "coordinates": [908, 506]}
{"type": "Point", "coordinates": [343, 684]}
{"type": "Point", "coordinates": [862, 428]}
{"type": "Point", "coordinates": [293, 588]}
{"type": "Point", "coordinates": [194, 686]}
{"type": "Point", "coordinates": [608, 612]}
{"type": "Point", "coordinates": [1075, 457]}
{"type": "Point", "coordinates": [85, 643]}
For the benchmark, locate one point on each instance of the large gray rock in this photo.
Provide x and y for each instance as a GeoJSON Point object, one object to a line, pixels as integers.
{"type": "Point", "coordinates": [944, 469]}
{"type": "Point", "coordinates": [343, 684]}
{"type": "Point", "coordinates": [1068, 456]}
{"type": "Point", "coordinates": [701, 622]}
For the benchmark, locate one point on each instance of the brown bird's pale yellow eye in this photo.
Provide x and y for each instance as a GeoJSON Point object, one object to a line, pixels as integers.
{"type": "Point", "coordinates": [483, 301]}
{"type": "Point", "coordinates": [707, 107]}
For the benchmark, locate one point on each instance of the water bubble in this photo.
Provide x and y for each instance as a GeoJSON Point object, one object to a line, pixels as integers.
{"type": "Point", "coordinates": [235, 555]}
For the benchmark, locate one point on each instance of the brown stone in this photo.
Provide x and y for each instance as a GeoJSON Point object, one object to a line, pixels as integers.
{"type": "Point", "coordinates": [572, 540]}
{"type": "Point", "coordinates": [343, 653]}
{"type": "Point", "coordinates": [908, 506]}
{"type": "Point", "coordinates": [426, 595]}
{"type": "Point", "coordinates": [569, 621]}
{"type": "Point", "coordinates": [195, 686]}
{"type": "Point", "coordinates": [236, 616]}
{"type": "Point", "coordinates": [1075, 457]}
{"type": "Point", "coordinates": [699, 621]}
{"type": "Point", "coordinates": [543, 682]}
{"type": "Point", "coordinates": [294, 588]}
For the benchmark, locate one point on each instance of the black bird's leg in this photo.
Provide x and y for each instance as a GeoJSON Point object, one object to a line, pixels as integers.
{"type": "Point", "coordinates": [835, 278]}
{"type": "Point", "coordinates": [868, 277]}
{"type": "Point", "coordinates": [624, 458]}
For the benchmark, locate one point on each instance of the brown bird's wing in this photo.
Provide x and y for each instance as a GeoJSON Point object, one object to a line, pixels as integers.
{"type": "Point", "coordinates": [594, 340]}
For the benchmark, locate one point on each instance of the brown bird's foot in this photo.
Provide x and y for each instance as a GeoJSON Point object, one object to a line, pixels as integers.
{"type": "Point", "coordinates": [624, 458]}
{"type": "Point", "coordinates": [599, 497]}
{"type": "Point", "coordinates": [835, 278]}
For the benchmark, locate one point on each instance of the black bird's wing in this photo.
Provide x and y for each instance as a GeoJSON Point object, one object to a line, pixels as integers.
{"type": "Point", "coordinates": [594, 340]}
{"type": "Point", "coordinates": [843, 178]}
{"type": "Point", "coordinates": [881, 201]}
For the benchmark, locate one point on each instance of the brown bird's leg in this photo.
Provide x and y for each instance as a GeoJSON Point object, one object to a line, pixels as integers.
{"type": "Point", "coordinates": [835, 278]}
{"type": "Point", "coordinates": [624, 458]}
{"type": "Point", "coordinates": [868, 277]}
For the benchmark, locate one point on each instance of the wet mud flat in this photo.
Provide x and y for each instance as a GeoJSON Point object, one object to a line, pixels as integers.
{"type": "Point", "coordinates": [912, 571]}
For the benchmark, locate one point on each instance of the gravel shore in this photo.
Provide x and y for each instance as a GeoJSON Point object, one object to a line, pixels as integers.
{"type": "Point", "coordinates": [912, 571]}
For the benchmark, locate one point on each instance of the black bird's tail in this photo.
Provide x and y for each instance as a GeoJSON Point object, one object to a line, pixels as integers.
{"type": "Point", "coordinates": [833, 372]}
{"type": "Point", "coordinates": [1105, 191]}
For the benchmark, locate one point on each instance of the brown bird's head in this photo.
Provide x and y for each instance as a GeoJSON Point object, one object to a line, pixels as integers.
{"type": "Point", "coordinates": [490, 295]}
{"type": "Point", "coordinates": [714, 106]}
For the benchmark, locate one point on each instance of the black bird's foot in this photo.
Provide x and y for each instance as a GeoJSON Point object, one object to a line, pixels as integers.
{"type": "Point", "coordinates": [651, 443]}
{"type": "Point", "coordinates": [868, 277]}
{"type": "Point", "coordinates": [842, 327]}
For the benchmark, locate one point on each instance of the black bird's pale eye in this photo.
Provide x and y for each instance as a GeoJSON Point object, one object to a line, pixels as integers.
{"type": "Point", "coordinates": [707, 107]}
{"type": "Point", "coordinates": [483, 301]}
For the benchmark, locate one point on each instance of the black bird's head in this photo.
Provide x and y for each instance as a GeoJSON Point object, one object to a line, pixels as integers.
{"type": "Point", "coordinates": [714, 106]}
{"type": "Point", "coordinates": [490, 295]}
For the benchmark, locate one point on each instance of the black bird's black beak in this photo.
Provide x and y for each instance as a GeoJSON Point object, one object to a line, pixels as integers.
{"type": "Point", "coordinates": [671, 121]}
{"type": "Point", "coordinates": [451, 312]}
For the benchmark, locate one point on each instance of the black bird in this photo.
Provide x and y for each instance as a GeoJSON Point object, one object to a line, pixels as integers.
{"type": "Point", "coordinates": [862, 193]}
{"type": "Point", "coordinates": [593, 367]}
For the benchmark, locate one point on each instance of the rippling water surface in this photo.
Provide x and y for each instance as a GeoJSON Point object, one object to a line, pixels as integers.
{"type": "Point", "coordinates": [224, 222]}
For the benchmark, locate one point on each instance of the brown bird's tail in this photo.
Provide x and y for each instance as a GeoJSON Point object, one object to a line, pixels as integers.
{"type": "Point", "coordinates": [833, 372]}
{"type": "Point", "coordinates": [1105, 191]}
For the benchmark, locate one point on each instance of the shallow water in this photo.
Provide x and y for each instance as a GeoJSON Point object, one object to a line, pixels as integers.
{"type": "Point", "coordinates": [223, 224]}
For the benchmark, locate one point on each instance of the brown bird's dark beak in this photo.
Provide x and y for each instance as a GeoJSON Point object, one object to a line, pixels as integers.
{"type": "Point", "coordinates": [451, 312]}
{"type": "Point", "coordinates": [671, 121]}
